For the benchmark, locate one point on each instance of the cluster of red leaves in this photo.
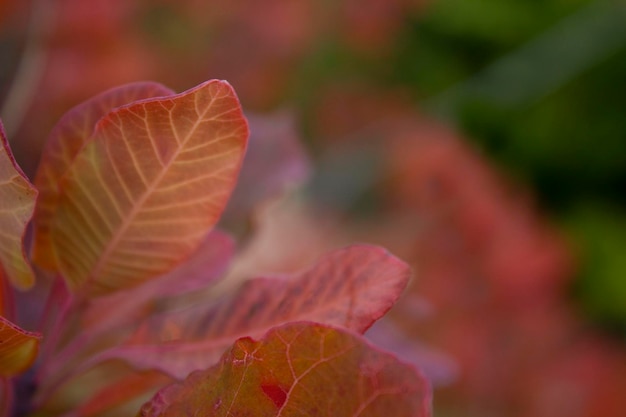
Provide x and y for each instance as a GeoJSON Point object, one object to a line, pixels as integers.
{"type": "Point", "coordinates": [493, 276]}
{"type": "Point", "coordinates": [131, 185]}
{"type": "Point", "coordinates": [496, 277]}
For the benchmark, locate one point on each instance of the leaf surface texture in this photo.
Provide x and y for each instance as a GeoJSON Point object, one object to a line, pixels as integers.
{"type": "Point", "coordinates": [146, 189]}
{"type": "Point", "coordinates": [63, 144]}
{"type": "Point", "coordinates": [350, 287]}
{"type": "Point", "coordinates": [17, 202]}
{"type": "Point", "coordinates": [300, 369]}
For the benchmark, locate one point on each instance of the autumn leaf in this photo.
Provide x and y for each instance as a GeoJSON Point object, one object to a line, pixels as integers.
{"type": "Point", "coordinates": [351, 287]}
{"type": "Point", "coordinates": [63, 144]}
{"type": "Point", "coordinates": [205, 266]}
{"type": "Point", "coordinates": [17, 201]}
{"type": "Point", "coordinates": [146, 189]}
{"type": "Point", "coordinates": [299, 369]}
{"type": "Point", "coordinates": [18, 348]}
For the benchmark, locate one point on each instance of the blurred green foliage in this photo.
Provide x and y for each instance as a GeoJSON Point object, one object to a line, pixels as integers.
{"type": "Point", "coordinates": [541, 87]}
{"type": "Point", "coordinates": [602, 231]}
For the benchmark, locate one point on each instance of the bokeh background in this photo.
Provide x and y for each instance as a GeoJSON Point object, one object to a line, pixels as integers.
{"type": "Point", "coordinates": [483, 141]}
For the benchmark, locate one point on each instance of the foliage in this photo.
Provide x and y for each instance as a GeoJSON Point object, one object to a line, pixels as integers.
{"type": "Point", "coordinates": [131, 192]}
{"type": "Point", "coordinates": [502, 293]}
{"type": "Point", "coordinates": [275, 380]}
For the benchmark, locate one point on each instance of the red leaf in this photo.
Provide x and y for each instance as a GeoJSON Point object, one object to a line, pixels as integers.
{"type": "Point", "coordinates": [17, 202]}
{"type": "Point", "coordinates": [315, 371]}
{"type": "Point", "coordinates": [146, 189]}
{"type": "Point", "coordinates": [352, 287]}
{"type": "Point", "coordinates": [65, 141]}
{"type": "Point", "coordinates": [18, 348]}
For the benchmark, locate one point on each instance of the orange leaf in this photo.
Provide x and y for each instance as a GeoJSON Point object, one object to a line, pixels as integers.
{"type": "Point", "coordinates": [145, 190]}
{"type": "Point", "coordinates": [18, 348]}
{"type": "Point", "coordinates": [300, 369]}
{"type": "Point", "coordinates": [65, 141]}
{"type": "Point", "coordinates": [17, 201]}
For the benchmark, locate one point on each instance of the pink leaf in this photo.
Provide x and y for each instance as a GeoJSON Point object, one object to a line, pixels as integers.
{"type": "Point", "coordinates": [352, 287]}
{"type": "Point", "coordinates": [65, 141]}
{"type": "Point", "coordinates": [205, 266]}
{"type": "Point", "coordinates": [299, 369]}
{"type": "Point", "coordinates": [106, 320]}
{"type": "Point", "coordinates": [17, 202]}
{"type": "Point", "coordinates": [146, 189]}
{"type": "Point", "coordinates": [439, 368]}
{"type": "Point", "coordinates": [275, 159]}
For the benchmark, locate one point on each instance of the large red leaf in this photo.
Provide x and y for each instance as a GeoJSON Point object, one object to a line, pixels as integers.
{"type": "Point", "coordinates": [18, 348]}
{"type": "Point", "coordinates": [65, 141]}
{"type": "Point", "coordinates": [299, 369]}
{"type": "Point", "coordinates": [145, 190]}
{"type": "Point", "coordinates": [352, 287]}
{"type": "Point", "coordinates": [17, 202]}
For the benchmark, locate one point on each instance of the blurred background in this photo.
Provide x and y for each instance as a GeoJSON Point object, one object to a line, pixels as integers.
{"type": "Point", "coordinates": [483, 141]}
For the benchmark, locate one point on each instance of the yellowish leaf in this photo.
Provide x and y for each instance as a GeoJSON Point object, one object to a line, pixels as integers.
{"type": "Point", "coordinates": [18, 348]}
{"type": "Point", "coordinates": [65, 141]}
{"type": "Point", "coordinates": [17, 202]}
